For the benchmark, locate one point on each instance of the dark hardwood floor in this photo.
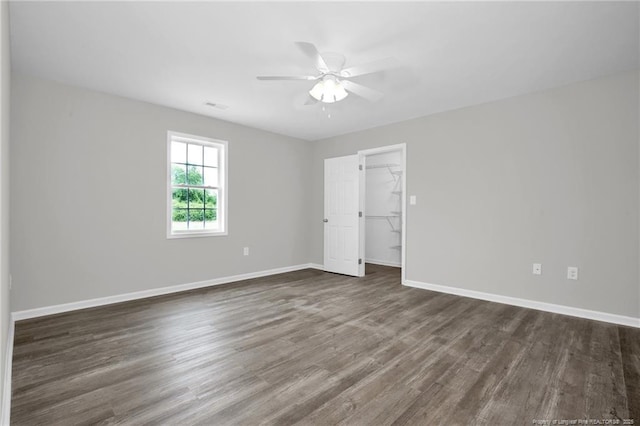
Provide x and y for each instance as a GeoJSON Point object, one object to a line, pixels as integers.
{"type": "Point", "coordinates": [310, 347]}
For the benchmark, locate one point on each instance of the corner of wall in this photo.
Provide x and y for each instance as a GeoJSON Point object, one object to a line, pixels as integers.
{"type": "Point", "coordinates": [638, 177]}
{"type": "Point", "coordinates": [6, 334]}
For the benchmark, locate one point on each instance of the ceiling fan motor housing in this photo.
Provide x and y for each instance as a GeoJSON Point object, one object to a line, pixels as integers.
{"type": "Point", "coordinates": [335, 62]}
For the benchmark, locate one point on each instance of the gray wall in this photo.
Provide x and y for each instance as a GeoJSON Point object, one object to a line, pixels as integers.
{"type": "Point", "coordinates": [5, 83]}
{"type": "Point", "coordinates": [88, 173]}
{"type": "Point", "coordinates": [550, 177]}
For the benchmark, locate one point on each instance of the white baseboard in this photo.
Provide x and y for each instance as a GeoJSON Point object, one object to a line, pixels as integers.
{"type": "Point", "coordinates": [5, 418]}
{"type": "Point", "coordinates": [532, 304]}
{"type": "Point", "coordinates": [316, 266]}
{"type": "Point", "coordinates": [108, 300]}
{"type": "Point", "coordinates": [383, 263]}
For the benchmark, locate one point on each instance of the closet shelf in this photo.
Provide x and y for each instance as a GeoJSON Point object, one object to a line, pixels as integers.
{"type": "Point", "coordinates": [382, 166]}
{"type": "Point", "coordinates": [389, 166]}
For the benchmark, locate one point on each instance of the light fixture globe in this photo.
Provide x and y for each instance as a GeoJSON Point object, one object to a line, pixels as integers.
{"type": "Point", "coordinates": [317, 91]}
{"type": "Point", "coordinates": [339, 92]}
{"type": "Point", "coordinates": [328, 90]}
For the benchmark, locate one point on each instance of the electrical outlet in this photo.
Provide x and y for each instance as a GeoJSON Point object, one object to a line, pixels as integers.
{"type": "Point", "coordinates": [412, 200]}
{"type": "Point", "coordinates": [572, 273]}
{"type": "Point", "coordinates": [245, 251]}
{"type": "Point", "coordinates": [537, 269]}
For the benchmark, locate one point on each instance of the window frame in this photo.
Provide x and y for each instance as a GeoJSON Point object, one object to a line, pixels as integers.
{"type": "Point", "coordinates": [223, 184]}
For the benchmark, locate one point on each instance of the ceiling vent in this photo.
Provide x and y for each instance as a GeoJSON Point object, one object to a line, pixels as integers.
{"type": "Point", "coordinates": [215, 105]}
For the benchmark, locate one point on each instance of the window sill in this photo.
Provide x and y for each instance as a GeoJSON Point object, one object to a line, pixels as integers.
{"type": "Point", "coordinates": [197, 234]}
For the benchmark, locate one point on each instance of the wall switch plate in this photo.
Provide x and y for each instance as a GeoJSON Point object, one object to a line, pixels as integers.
{"type": "Point", "coordinates": [412, 200]}
{"type": "Point", "coordinates": [537, 269]}
{"type": "Point", "coordinates": [245, 251]}
{"type": "Point", "coordinates": [572, 273]}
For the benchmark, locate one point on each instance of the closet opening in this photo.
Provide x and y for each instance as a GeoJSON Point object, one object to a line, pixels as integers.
{"type": "Point", "coordinates": [382, 202]}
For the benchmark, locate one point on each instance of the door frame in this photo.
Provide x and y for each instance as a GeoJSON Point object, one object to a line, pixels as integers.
{"type": "Point", "coordinates": [362, 154]}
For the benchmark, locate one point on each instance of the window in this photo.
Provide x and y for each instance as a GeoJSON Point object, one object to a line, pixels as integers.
{"type": "Point", "coordinates": [197, 195]}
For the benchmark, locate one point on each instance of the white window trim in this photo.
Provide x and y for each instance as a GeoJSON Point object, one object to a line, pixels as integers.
{"type": "Point", "coordinates": [222, 191]}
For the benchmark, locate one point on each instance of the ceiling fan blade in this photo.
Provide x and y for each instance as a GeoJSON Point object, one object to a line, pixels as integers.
{"type": "Point", "coordinates": [370, 68]}
{"type": "Point", "coordinates": [311, 51]}
{"type": "Point", "coordinates": [287, 77]}
{"type": "Point", "coordinates": [362, 91]}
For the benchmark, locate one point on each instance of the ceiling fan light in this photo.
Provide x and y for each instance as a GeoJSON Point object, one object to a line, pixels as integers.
{"type": "Point", "coordinates": [328, 90]}
{"type": "Point", "coordinates": [340, 93]}
{"type": "Point", "coordinates": [317, 91]}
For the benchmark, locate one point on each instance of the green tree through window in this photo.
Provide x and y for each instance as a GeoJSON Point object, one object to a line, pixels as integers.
{"type": "Point", "coordinates": [192, 204]}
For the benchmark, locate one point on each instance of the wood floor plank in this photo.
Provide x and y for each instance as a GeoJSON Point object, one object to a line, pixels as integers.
{"type": "Point", "coordinates": [630, 353]}
{"type": "Point", "coordinates": [310, 347]}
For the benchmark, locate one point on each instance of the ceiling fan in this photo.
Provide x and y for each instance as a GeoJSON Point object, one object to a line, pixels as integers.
{"type": "Point", "coordinates": [333, 81]}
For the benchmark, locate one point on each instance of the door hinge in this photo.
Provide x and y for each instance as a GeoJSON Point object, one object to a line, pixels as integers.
{"type": "Point", "coordinates": [359, 166]}
{"type": "Point", "coordinates": [359, 261]}
{"type": "Point", "coordinates": [359, 214]}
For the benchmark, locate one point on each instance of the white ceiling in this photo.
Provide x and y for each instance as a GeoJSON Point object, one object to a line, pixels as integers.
{"type": "Point", "coordinates": [454, 54]}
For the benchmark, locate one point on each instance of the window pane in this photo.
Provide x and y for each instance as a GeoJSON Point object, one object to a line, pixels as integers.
{"type": "Point", "coordinates": [196, 198]}
{"type": "Point", "coordinates": [178, 152]}
{"type": "Point", "coordinates": [179, 199]}
{"type": "Point", "coordinates": [210, 156]}
{"type": "Point", "coordinates": [178, 174]}
{"type": "Point", "coordinates": [194, 175]}
{"type": "Point", "coordinates": [210, 198]}
{"type": "Point", "coordinates": [210, 219]}
{"type": "Point", "coordinates": [210, 176]}
{"type": "Point", "coordinates": [195, 154]}
{"type": "Point", "coordinates": [196, 219]}
{"type": "Point", "coordinates": [178, 219]}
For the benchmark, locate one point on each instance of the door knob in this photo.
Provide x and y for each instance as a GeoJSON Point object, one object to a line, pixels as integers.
{"type": "Point", "coordinates": [325, 220]}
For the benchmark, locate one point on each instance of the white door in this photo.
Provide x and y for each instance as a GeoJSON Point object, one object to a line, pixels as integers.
{"type": "Point", "coordinates": [341, 215]}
